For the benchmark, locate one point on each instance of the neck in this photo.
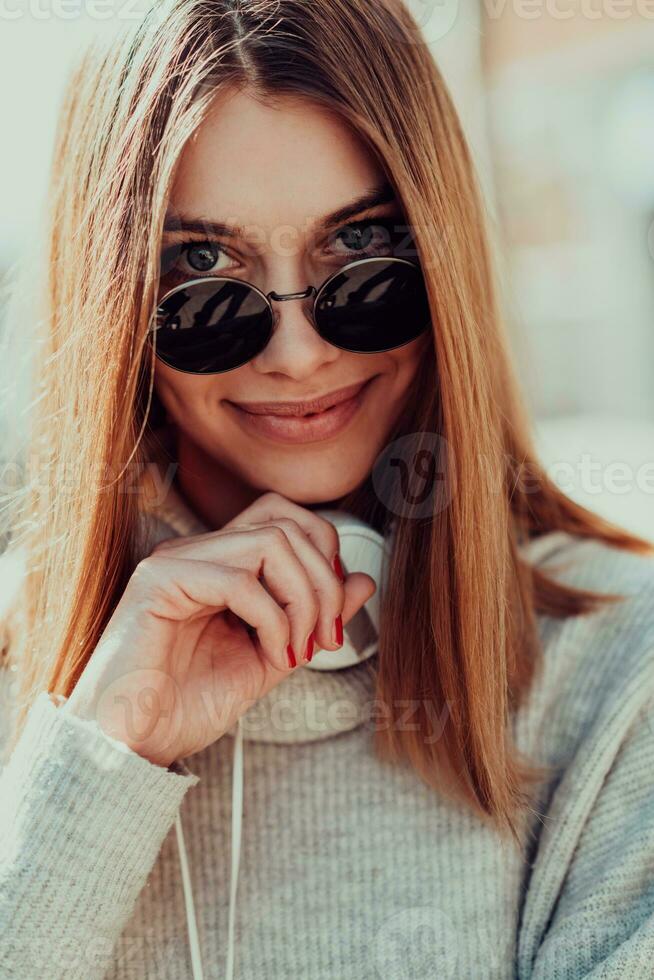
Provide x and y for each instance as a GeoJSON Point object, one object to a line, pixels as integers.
{"type": "Point", "coordinates": [213, 491]}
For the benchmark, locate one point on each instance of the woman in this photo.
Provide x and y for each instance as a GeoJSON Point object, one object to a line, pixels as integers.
{"type": "Point", "coordinates": [223, 178]}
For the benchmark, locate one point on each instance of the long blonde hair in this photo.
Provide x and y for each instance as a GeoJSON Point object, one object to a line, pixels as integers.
{"type": "Point", "coordinates": [458, 621]}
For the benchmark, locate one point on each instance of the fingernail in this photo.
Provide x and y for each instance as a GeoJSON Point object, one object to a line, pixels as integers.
{"type": "Point", "coordinates": [338, 630]}
{"type": "Point", "coordinates": [292, 662]}
{"type": "Point", "coordinates": [338, 568]}
{"type": "Point", "coordinates": [309, 651]}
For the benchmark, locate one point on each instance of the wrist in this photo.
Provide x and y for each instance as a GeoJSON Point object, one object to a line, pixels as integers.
{"type": "Point", "coordinates": [85, 711]}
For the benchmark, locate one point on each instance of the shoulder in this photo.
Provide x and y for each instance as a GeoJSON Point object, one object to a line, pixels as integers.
{"type": "Point", "coordinates": [589, 563]}
{"type": "Point", "coordinates": [594, 566]}
{"type": "Point", "coordinates": [597, 669]}
{"type": "Point", "coordinates": [589, 717]}
{"type": "Point", "coordinates": [622, 631]}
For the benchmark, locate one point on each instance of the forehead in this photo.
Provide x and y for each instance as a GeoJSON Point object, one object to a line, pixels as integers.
{"type": "Point", "coordinates": [271, 166]}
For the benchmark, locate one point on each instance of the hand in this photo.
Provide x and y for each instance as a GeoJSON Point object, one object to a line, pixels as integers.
{"type": "Point", "coordinates": [202, 628]}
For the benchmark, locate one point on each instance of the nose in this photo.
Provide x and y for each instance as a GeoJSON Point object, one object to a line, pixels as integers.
{"type": "Point", "coordinates": [295, 349]}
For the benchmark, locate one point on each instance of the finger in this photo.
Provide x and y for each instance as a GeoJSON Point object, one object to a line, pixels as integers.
{"type": "Point", "coordinates": [271, 506]}
{"type": "Point", "coordinates": [359, 587]}
{"type": "Point", "coordinates": [327, 585]}
{"type": "Point", "coordinates": [324, 580]}
{"type": "Point", "coordinates": [266, 551]}
{"type": "Point", "coordinates": [332, 595]}
{"type": "Point", "coordinates": [179, 588]}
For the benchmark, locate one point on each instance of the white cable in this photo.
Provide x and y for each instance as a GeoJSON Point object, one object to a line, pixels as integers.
{"type": "Point", "coordinates": [237, 810]}
{"type": "Point", "coordinates": [196, 959]}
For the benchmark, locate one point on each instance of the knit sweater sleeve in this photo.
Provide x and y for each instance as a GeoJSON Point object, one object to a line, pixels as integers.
{"type": "Point", "coordinates": [82, 820]}
{"type": "Point", "coordinates": [602, 926]}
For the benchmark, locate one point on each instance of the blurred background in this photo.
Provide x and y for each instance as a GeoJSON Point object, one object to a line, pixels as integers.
{"type": "Point", "coordinates": [557, 100]}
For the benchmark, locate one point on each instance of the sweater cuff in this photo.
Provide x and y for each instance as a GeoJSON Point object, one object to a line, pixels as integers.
{"type": "Point", "coordinates": [67, 777]}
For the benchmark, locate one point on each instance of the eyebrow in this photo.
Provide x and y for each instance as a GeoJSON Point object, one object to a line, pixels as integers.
{"type": "Point", "coordinates": [380, 194]}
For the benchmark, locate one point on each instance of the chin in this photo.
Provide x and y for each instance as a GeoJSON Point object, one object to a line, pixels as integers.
{"type": "Point", "coordinates": [310, 494]}
{"type": "Point", "coordinates": [309, 484]}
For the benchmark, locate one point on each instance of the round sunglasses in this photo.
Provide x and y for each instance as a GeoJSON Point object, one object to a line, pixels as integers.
{"type": "Point", "coordinates": [217, 323]}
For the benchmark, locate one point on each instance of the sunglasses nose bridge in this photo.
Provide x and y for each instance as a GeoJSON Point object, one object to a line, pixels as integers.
{"type": "Point", "coordinates": [282, 297]}
{"type": "Point", "coordinates": [309, 292]}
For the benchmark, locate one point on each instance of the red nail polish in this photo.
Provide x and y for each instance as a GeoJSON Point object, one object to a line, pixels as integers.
{"type": "Point", "coordinates": [338, 568]}
{"type": "Point", "coordinates": [309, 651]}
{"type": "Point", "coordinates": [338, 625]}
{"type": "Point", "coordinates": [292, 662]}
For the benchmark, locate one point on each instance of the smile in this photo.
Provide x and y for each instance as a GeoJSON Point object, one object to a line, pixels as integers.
{"type": "Point", "coordinates": [282, 422]}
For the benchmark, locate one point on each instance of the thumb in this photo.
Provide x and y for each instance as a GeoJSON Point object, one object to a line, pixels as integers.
{"type": "Point", "coordinates": [359, 587]}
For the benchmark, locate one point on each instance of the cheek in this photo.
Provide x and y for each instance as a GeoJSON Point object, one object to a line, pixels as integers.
{"type": "Point", "coordinates": [180, 392]}
{"type": "Point", "coordinates": [401, 374]}
{"type": "Point", "coordinates": [407, 360]}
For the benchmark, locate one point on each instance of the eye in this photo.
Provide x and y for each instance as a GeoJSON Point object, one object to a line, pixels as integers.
{"type": "Point", "coordinates": [362, 238]}
{"type": "Point", "coordinates": [194, 257]}
{"type": "Point", "coordinates": [202, 256]}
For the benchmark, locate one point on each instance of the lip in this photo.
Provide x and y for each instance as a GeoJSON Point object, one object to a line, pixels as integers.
{"type": "Point", "coordinates": [299, 408]}
{"type": "Point", "coordinates": [288, 426]}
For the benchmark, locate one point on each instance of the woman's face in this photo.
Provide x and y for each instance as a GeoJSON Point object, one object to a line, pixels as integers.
{"type": "Point", "coordinates": [277, 173]}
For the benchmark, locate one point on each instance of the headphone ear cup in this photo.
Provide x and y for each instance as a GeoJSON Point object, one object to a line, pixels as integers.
{"type": "Point", "coordinates": [362, 549]}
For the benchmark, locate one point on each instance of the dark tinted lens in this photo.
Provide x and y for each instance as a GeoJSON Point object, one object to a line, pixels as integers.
{"type": "Point", "coordinates": [373, 305]}
{"type": "Point", "coordinates": [212, 325]}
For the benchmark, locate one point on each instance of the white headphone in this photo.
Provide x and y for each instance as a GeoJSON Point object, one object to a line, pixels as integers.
{"type": "Point", "coordinates": [363, 549]}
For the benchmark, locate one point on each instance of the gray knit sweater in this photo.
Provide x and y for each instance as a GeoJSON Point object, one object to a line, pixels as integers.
{"type": "Point", "coordinates": [351, 869]}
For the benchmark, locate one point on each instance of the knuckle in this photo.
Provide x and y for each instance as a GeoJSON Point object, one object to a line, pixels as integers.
{"type": "Point", "coordinates": [330, 535]}
{"type": "Point", "coordinates": [276, 536]}
{"type": "Point", "coordinates": [288, 525]}
{"type": "Point", "coordinates": [244, 578]}
{"type": "Point", "coordinates": [271, 497]}
{"type": "Point", "coordinates": [333, 601]}
{"type": "Point", "coordinates": [313, 608]}
{"type": "Point", "coordinates": [144, 567]}
{"type": "Point", "coordinates": [281, 622]}
{"type": "Point", "coordinates": [147, 574]}
{"type": "Point", "coordinates": [161, 546]}
{"type": "Point", "coordinates": [338, 592]}
{"type": "Point", "coordinates": [305, 603]}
